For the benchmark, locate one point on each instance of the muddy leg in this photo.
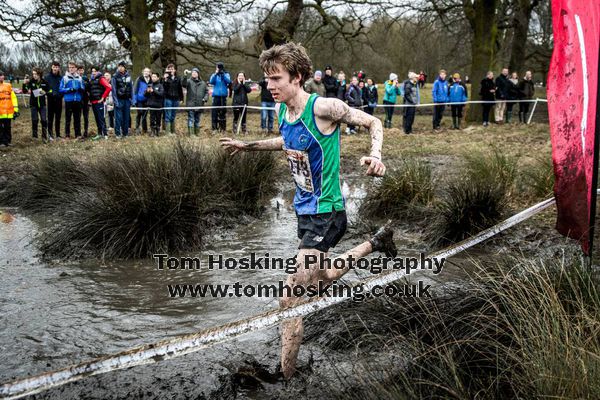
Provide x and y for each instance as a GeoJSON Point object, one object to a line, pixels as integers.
{"type": "Point", "coordinates": [292, 329]}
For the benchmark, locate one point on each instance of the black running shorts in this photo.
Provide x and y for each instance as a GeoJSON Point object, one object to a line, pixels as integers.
{"type": "Point", "coordinates": [321, 231]}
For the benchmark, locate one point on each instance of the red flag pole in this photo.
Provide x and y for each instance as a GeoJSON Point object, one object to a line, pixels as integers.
{"type": "Point", "coordinates": [595, 170]}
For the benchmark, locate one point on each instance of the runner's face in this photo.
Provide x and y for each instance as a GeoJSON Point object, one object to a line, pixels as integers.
{"type": "Point", "coordinates": [281, 85]}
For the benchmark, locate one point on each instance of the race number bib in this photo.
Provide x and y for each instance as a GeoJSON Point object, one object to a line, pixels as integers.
{"type": "Point", "coordinates": [300, 169]}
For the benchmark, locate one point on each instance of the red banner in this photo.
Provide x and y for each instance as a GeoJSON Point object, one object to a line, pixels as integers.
{"type": "Point", "coordinates": [572, 95]}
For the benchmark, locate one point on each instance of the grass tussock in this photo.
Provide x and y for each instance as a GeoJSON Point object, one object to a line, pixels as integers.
{"type": "Point", "coordinates": [538, 179]}
{"type": "Point", "coordinates": [404, 192]}
{"type": "Point", "coordinates": [475, 200]}
{"type": "Point", "coordinates": [139, 201]}
{"type": "Point", "coordinates": [531, 331]}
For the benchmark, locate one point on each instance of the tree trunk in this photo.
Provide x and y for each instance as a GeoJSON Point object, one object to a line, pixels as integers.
{"type": "Point", "coordinates": [140, 35]}
{"type": "Point", "coordinates": [481, 14]}
{"type": "Point", "coordinates": [168, 49]}
{"type": "Point", "coordinates": [286, 28]}
{"type": "Point", "coordinates": [522, 15]}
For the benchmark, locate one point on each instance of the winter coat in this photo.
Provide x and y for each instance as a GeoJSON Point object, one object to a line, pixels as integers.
{"type": "Point", "coordinates": [526, 89]}
{"type": "Point", "coordinates": [484, 91]}
{"type": "Point", "coordinates": [391, 92]}
{"type": "Point", "coordinates": [331, 85]}
{"type": "Point", "coordinates": [457, 93]}
{"type": "Point", "coordinates": [240, 93]}
{"type": "Point", "coordinates": [440, 91]}
{"type": "Point", "coordinates": [371, 95]}
{"type": "Point", "coordinates": [312, 86]}
{"type": "Point", "coordinates": [156, 97]}
{"type": "Point", "coordinates": [411, 92]}
{"type": "Point", "coordinates": [98, 88]}
{"type": "Point", "coordinates": [512, 92]}
{"type": "Point", "coordinates": [139, 89]}
{"type": "Point", "coordinates": [502, 85]}
{"type": "Point", "coordinates": [71, 86]}
{"type": "Point", "coordinates": [220, 82]}
{"type": "Point", "coordinates": [341, 91]}
{"type": "Point", "coordinates": [173, 88]}
{"type": "Point", "coordinates": [40, 101]}
{"type": "Point", "coordinates": [122, 88]}
{"type": "Point", "coordinates": [196, 92]}
{"type": "Point", "coordinates": [8, 101]}
{"type": "Point", "coordinates": [354, 96]}
{"type": "Point", "coordinates": [265, 94]}
{"type": "Point", "coordinates": [53, 84]}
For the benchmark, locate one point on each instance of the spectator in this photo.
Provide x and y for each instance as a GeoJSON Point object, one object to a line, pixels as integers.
{"type": "Point", "coordinates": [512, 93]}
{"type": "Point", "coordinates": [71, 86]}
{"type": "Point", "coordinates": [526, 92]}
{"type": "Point", "coordinates": [502, 85]}
{"type": "Point", "coordinates": [220, 81]}
{"type": "Point", "coordinates": [487, 93]}
{"type": "Point", "coordinates": [422, 79]}
{"type": "Point", "coordinates": [122, 95]}
{"type": "Point", "coordinates": [354, 99]}
{"type": "Point", "coordinates": [139, 101]}
{"type": "Point", "coordinates": [371, 97]}
{"type": "Point", "coordinates": [330, 82]}
{"type": "Point", "coordinates": [98, 91]}
{"type": "Point", "coordinates": [341, 80]}
{"type": "Point", "coordinates": [173, 95]}
{"type": "Point", "coordinates": [9, 109]}
{"type": "Point", "coordinates": [266, 101]}
{"type": "Point", "coordinates": [240, 100]}
{"type": "Point", "coordinates": [85, 101]}
{"type": "Point", "coordinates": [196, 96]}
{"type": "Point", "coordinates": [467, 80]}
{"type": "Point", "coordinates": [392, 91]}
{"type": "Point", "coordinates": [361, 75]}
{"type": "Point", "coordinates": [457, 94]}
{"type": "Point", "coordinates": [155, 95]}
{"type": "Point", "coordinates": [37, 89]}
{"type": "Point", "coordinates": [110, 105]}
{"type": "Point", "coordinates": [54, 99]}
{"type": "Point", "coordinates": [440, 96]}
{"type": "Point", "coordinates": [411, 99]}
{"type": "Point", "coordinates": [315, 84]}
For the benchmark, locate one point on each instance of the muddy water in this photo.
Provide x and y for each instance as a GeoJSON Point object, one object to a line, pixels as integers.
{"type": "Point", "coordinates": [53, 314]}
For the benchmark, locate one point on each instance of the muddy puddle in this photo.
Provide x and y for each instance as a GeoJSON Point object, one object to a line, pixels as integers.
{"type": "Point", "coordinates": [54, 314]}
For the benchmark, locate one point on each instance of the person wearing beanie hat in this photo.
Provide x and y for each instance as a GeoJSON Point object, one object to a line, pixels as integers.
{"type": "Point", "coordinates": [196, 96]}
{"type": "Point", "coordinates": [221, 82]}
{"type": "Point", "coordinates": [392, 91]}
{"type": "Point", "coordinates": [331, 84]}
{"type": "Point", "coordinates": [411, 98]}
{"type": "Point", "coordinates": [9, 109]}
{"type": "Point", "coordinates": [457, 93]}
{"type": "Point", "coordinates": [315, 84]}
{"type": "Point", "coordinates": [122, 94]}
{"type": "Point", "coordinates": [140, 100]}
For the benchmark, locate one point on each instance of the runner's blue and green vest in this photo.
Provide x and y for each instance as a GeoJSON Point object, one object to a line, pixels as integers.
{"type": "Point", "coordinates": [314, 160]}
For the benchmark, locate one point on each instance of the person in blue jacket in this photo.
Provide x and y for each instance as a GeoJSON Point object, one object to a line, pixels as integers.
{"type": "Point", "coordinates": [140, 101]}
{"type": "Point", "coordinates": [72, 88]}
{"type": "Point", "coordinates": [122, 95]}
{"type": "Point", "coordinates": [440, 95]}
{"type": "Point", "coordinates": [220, 81]}
{"type": "Point", "coordinates": [457, 93]}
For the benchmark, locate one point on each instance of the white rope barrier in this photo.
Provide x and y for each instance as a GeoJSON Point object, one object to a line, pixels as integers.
{"type": "Point", "coordinates": [171, 348]}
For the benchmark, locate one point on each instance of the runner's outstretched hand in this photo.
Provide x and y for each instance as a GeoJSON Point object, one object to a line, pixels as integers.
{"type": "Point", "coordinates": [376, 167]}
{"type": "Point", "coordinates": [232, 145]}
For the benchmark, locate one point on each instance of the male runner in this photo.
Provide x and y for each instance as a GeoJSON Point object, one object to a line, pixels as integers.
{"type": "Point", "coordinates": [310, 136]}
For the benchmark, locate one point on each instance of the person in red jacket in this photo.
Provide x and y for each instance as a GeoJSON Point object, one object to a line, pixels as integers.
{"type": "Point", "coordinates": [98, 90]}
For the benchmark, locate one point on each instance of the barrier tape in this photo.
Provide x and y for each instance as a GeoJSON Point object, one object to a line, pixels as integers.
{"type": "Point", "coordinates": [364, 106]}
{"type": "Point", "coordinates": [171, 348]}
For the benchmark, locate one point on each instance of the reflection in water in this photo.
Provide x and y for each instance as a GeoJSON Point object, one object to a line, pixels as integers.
{"type": "Point", "coordinates": [52, 315]}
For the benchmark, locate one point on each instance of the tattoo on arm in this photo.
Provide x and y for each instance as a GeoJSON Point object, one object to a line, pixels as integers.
{"type": "Point", "coordinates": [340, 112]}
